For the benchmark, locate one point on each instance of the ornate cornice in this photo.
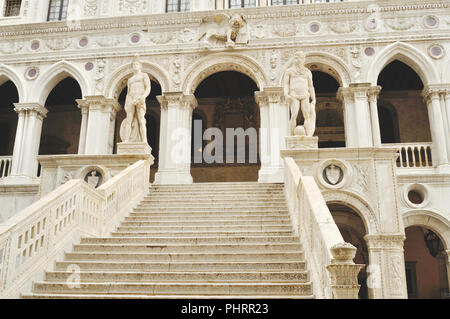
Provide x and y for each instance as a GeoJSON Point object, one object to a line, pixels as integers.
{"type": "Point", "coordinates": [385, 241]}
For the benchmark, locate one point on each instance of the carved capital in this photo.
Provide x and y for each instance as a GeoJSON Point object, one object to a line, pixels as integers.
{"type": "Point", "coordinates": [385, 241]}
{"type": "Point", "coordinates": [99, 103]}
{"type": "Point", "coordinates": [31, 109]}
{"type": "Point", "coordinates": [177, 100]}
{"type": "Point", "coordinates": [435, 91]}
{"type": "Point", "coordinates": [374, 92]}
{"type": "Point", "coordinates": [269, 96]}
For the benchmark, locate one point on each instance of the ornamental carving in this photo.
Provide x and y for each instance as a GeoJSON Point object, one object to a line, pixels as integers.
{"type": "Point", "coordinates": [285, 30]}
{"type": "Point", "coordinates": [222, 28]}
{"type": "Point", "coordinates": [343, 27]}
{"type": "Point", "coordinates": [161, 38]}
{"type": "Point", "coordinates": [11, 47]}
{"type": "Point", "coordinates": [401, 24]}
{"type": "Point", "coordinates": [59, 43]}
{"type": "Point", "coordinates": [90, 7]}
{"type": "Point", "coordinates": [132, 6]}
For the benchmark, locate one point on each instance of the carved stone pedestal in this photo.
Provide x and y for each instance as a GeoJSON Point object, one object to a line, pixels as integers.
{"type": "Point", "coordinates": [302, 142]}
{"type": "Point", "coordinates": [133, 148]}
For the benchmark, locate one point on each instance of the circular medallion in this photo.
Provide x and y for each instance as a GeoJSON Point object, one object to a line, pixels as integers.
{"type": "Point", "coordinates": [333, 174]}
{"type": "Point", "coordinates": [135, 38]}
{"type": "Point", "coordinates": [314, 27]}
{"type": "Point", "coordinates": [89, 66]}
{"type": "Point", "coordinates": [31, 73]}
{"type": "Point", "coordinates": [436, 51]}
{"type": "Point", "coordinates": [83, 42]}
{"type": "Point", "coordinates": [369, 51]}
{"type": "Point", "coordinates": [35, 45]}
{"type": "Point", "coordinates": [431, 21]}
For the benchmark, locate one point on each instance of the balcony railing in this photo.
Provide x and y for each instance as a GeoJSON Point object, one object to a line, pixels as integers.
{"type": "Point", "coordinates": [413, 155]}
{"type": "Point", "coordinates": [5, 166]}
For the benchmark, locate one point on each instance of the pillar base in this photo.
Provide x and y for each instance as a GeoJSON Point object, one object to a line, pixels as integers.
{"type": "Point", "coordinates": [173, 178]}
{"type": "Point", "coordinates": [271, 175]}
{"type": "Point", "coordinates": [133, 148]}
{"type": "Point", "coordinates": [302, 142]}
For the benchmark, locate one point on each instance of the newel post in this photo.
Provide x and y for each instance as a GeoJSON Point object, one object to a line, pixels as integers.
{"type": "Point", "coordinates": [344, 272]}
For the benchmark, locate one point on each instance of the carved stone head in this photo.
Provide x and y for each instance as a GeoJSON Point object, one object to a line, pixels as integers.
{"type": "Point", "coordinates": [136, 64]}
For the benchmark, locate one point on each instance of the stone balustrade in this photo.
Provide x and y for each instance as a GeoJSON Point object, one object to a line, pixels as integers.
{"type": "Point", "coordinates": [34, 238]}
{"type": "Point", "coordinates": [5, 166]}
{"type": "Point", "coordinates": [330, 259]}
{"type": "Point", "coordinates": [413, 155]}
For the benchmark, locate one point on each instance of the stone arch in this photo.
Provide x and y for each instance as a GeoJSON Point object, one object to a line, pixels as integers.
{"type": "Point", "coordinates": [432, 220]}
{"type": "Point", "coordinates": [53, 76]}
{"type": "Point", "coordinates": [215, 63]}
{"type": "Point", "coordinates": [407, 54]}
{"type": "Point", "coordinates": [446, 70]}
{"type": "Point", "coordinates": [116, 81]}
{"type": "Point", "coordinates": [326, 63]}
{"type": "Point", "coordinates": [358, 204]}
{"type": "Point", "coordinates": [8, 74]}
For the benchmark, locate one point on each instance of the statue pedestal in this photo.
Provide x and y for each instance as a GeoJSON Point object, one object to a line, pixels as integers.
{"type": "Point", "coordinates": [133, 148]}
{"type": "Point", "coordinates": [302, 142]}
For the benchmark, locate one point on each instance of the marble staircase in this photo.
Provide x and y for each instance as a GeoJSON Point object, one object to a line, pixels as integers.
{"type": "Point", "coordinates": [228, 240]}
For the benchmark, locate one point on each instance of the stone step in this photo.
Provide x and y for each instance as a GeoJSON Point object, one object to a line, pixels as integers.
{"type": "Point", "coordinates": [174, 248]}
{"type": "Point", "coordinates": [222, 196]}
{"type": "Point", "coordinates": [204, 234]}
{"type": "Point", "coordinates": [216, 193]}
{"type": "Point", "coordinates": [216, 214]}
{"type": "Point", "coordinates": [214, 209]}
{"type": "Point", "coordinates": [208, 186]}
{"type": "Point", "coordinates": [208, 228]}
{"type": "Point", "coordinates": [225, 289]}
{"type": "Point", "coordinates": [204, 223]}
{"type": "Point", "coordinates": [260, 266]}
{"type": "Point", "coordinates": [144, 297]}
{"type": "Point", "coordinates": [285, 276]}
{"type": "Point", "coordinates": [191, 240]}
{"type": "Point", "coordinates": [185, 257]}
{"type": "Point", "coordinates": [209, 219]}
{"type": "Point", "coordinates": [216, 202]}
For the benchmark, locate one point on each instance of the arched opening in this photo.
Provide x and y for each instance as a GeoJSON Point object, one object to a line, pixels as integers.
{"type": "Point", "coordinates": [153, 118]}
{"type": "Point", "coordinates": [401, 94]}
{"type": "Point", "coordinates": [8, 117]}
{"type": "Point", "coordinates": [226, 104]}
{"type": "Point", "coordinates": [61, 129]}
{"type": "Point", "coordinates": [330, 114]}
{"type": "Point", "coordinates": [353, 230]}
{"type": "Point", "coordinates": [426, 264]}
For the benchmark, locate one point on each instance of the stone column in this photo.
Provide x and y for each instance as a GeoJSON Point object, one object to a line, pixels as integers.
{"type": "Point", "coordinates": [274, 114]}
{"type": "Point", "coordinates": [101, 111]}
{"type": "Point", "coordinates": [358, 123]}
{"type": "Point", "coordinates": [175, 138]}
{"type": "Point", "coordinates": [84, 107]}
{"type": "Point", "coordinates": [26, 147]}
{"type": "Point", "coordinates": [345, 95]}
{"type": "Point", "coordinates": [375, 121]}
{"type": "Point", "coordinates": [443, 259]}
{"type": "Point", "coordinates": [438, 133]}
{"type": "Point", "coordinates": [386, 271]}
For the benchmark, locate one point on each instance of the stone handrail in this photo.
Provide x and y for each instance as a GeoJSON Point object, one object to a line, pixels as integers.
{"type": "Point", "coordinates": [31, 240]}
{"type": "Point", "coordinates": [5, 166]}
{"type": "Point", "coordinates": [330, 259]}
{"type": "Point", "coordinates": [413, 155]}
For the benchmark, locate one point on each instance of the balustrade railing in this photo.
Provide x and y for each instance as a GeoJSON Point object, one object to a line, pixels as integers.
{"type": "Point", "coordinates": [413, 155]}
{"type": "Point", "coordinates": [32, 239]}
{"type": "Point", "coordinates": [5, 166]}
{"type": "Point", "coordinates": [329, 258]}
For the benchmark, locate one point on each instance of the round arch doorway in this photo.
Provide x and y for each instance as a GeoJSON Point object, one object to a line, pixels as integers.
{"type": "Point", "coordinates": [225, 130]}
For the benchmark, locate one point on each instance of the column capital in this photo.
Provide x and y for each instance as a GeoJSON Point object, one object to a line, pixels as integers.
{"type": "Point", "coordinates": [432, 91]}
{"type": "Point", "coordinates": [31, 108]}
{"type": "Point", "coordinates": [374, 92]}
{"type": "Point", "coordinates": [270, 95]}
{"type": "Point", "coordinates": [177, 99]}
{"type": "Point", "coordinates": [100, 103]}
{"type": "Point", "coordinates": [385, 241]}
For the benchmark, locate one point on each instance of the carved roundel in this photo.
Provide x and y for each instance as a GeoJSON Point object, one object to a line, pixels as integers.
{"type": "Point", "coordinates": [334, 174]}
{"type": "Point", "coordinates": [369, 51]}
{"type": "Point", "coordinates": [436, 51]}
{"type": "Point", "coordinates": [431, 21]}
{"type": "Point", "coordinates": [32, 73]}
{"type": "Point", "coordinates": [135, 38]}
{"type": "Point", "coordinates": [94, 178]}
{"type": "Point", "coordinates": [83, 42]}
{"type": "Point", "coordinates": [314, 27]}
{"type": "Point", "coordinates": [35, 45]}
{"type": "Point", "coordinates": [89, 66]}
